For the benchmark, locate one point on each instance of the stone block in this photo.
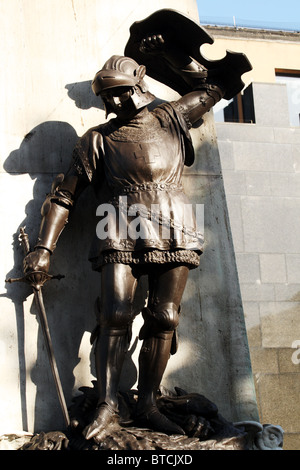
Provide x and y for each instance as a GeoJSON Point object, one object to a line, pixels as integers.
{"type": "Point", "coordinates": [274, 217]}
{"type": "Point", "coordinates": [248, 267]}
{"type": "Point", "coordinates": [293, 267]}
{"type": "Point", "coordinates": [287, 292]}
{"type": "Point", "coordinates": [236, 222]}
{"type": "Point", "coordinates": [252, 315]}
{"type": "Point", "coordinates": [258, 183]}
{"type": "Point", "coordinates": [287, 135]}
{"type": "Point", "coordinates": [252, 320]}
{"type": "Point", "coordinates": [244, 132]}
{"type": "Point", "coordinates": [257, 292]}
{"type": "Point", "coordinates": [280, 317]}
{"type": "Point", "coordinates": [226, 155]}
{"type": "Point", "coordinates": [288, 359]}
{"type": "Point", "coordinates": [263, 156]}
{"type": "Point", "coordinates": [234, 182]}
{"type": "Point", "coordinates": [291, 441]}
{"type": "Point", "coordinates": [272, 268]}
{"type": "Point", "coordinates": [264, 361]}
{"type": "Point", "coordinates": [296, 157]}
{"type": "Point", "coordinates": [279, 400]}
{"type": "Point", "coordinates": [275, 94]}
{"type": "Point", "coordinates": [285, 184]}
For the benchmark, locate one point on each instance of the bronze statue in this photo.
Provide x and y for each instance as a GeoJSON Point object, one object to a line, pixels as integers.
{"type": "Point", "coordinates": [136, 161]}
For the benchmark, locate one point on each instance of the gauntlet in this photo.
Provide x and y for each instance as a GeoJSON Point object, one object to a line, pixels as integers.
{"type": "Point", "coordinates": [55, 211]}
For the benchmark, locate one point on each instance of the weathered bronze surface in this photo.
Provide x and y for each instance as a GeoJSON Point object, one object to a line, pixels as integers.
{"type": "Point", "coordinates": [168, 23]}
{"type": "Point", "coordinates": [205, 428]}
{"type": "Point", "coordinates": [136, 160]}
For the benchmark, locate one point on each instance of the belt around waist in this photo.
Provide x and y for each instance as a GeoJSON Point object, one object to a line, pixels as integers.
{"type": "Point", "coordinates": [135, 188]}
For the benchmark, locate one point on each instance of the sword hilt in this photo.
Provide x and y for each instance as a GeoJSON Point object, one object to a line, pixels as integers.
{"type": "Point", "coordinates": [35, 279]}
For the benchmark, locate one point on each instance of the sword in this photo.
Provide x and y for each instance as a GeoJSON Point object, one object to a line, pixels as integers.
{"type": "Point", "coordinates": [36, 279]}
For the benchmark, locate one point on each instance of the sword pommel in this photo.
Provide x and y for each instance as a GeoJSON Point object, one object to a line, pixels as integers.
{"type": "Point", "coordinates": [23, 238]}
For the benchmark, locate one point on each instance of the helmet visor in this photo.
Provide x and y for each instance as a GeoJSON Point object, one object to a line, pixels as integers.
{"type": "Point", "coordinates": [106, 79]}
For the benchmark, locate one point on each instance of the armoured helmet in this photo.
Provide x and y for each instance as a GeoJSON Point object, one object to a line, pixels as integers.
{"type": "Point", "coordinates": [120, 71]}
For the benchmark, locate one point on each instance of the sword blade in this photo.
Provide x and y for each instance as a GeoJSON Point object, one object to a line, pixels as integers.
{"type": "Point", "coordinates": [45, 328]}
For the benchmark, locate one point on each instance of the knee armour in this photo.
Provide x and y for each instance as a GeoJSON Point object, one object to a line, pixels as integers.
{"type": "Point", "coordinates": [116, 315]}
{"type": "Point", "coordinates": [116, 318]}
{"type": "Point", "coordinates": [164, 318]}
{"type": "Point", "coordinates": [116, 321]}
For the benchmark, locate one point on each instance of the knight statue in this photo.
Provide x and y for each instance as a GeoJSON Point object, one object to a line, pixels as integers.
{"type": "Point", "coordinates": [136, 160]}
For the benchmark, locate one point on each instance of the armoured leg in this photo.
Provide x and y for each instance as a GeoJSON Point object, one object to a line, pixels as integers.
{"type": "Point", "coordinates": [112, 343]}
{"type": "Point", "coordinates": [158, 331]}
{"type": "Point", "coordinates": [111, 347]}
{"type": "Point", "coordinates": [157, 334]}
{"type": "Point", "coordinates": [110, 350]}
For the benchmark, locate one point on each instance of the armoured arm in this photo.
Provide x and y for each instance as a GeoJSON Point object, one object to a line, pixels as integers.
{"type": "Point", "coordinates": [55, 213]}
{"type": "Point", "coordinates": [206, 91]}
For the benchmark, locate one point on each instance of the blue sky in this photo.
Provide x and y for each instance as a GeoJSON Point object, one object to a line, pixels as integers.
{"type": "Point", "coordinates": [276, 11]}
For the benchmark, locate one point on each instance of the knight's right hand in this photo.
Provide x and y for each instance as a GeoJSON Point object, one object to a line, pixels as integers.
{"type": "Point", "coordinates": [38, 260]}
{"type": "Point", "coordinates": [152, 44]}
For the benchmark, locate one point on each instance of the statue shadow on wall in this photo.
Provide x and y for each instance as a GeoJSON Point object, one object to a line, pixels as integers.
{"type": "Point", "coordinates": [45, 152]}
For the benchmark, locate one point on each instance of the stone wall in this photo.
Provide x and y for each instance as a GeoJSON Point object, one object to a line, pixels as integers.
{"type": "Point", "coordinates": [261, 170]}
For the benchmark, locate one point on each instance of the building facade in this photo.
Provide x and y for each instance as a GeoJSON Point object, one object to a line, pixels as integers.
{"type": "Point", "coordinates": [260, 160]}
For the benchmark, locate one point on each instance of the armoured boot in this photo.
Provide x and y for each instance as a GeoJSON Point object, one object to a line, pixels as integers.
{"type": "Point", "coordinates": [111, 347]}
{"type": "Point", "coordinates": [153, 359]}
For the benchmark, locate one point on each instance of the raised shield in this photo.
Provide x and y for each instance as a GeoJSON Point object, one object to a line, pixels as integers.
{"type": "Point", "coordinates": [188, 35]}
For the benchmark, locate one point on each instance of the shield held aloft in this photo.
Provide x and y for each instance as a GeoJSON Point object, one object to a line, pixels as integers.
{"type": "Point", "coordinates": [185, 34]}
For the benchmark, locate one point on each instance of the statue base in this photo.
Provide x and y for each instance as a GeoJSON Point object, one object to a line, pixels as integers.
{"type": "Point", "coordinates": [205, 428]}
